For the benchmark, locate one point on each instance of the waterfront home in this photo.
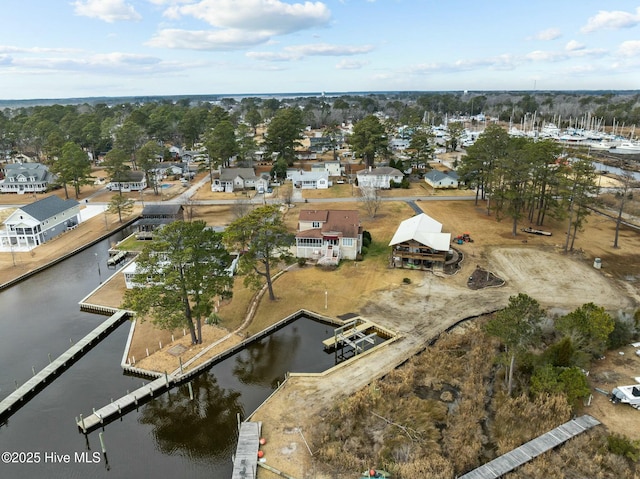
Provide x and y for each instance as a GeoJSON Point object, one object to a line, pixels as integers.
{"type": "Point", "coordinates": [156, 216]}
{"type": "Point", "coordinates": [327, 236]}
{"type": "Point", "coordinates": [419, 243]}
{"type": "Point", "coordinates": [39, 222]}
{"type": "Point", "coordinates": [27, 178]}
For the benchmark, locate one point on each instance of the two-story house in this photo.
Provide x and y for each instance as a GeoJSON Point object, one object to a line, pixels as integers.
{"type": "Point", "coordinates": [419, 243]}
{"type": "Point", "coordinates": [381, 177]}
{"type": "Point", "coordinates": [327, 236]}
{"type": "Point", "coordinates": [39, 222]}
{"type": "Point", "coordinates": [27, 178]}
{"type": "Point", "coordinates": [232, 179]}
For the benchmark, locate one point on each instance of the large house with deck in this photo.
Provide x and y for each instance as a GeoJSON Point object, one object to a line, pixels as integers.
{"type": "Point", "coordinates": [39, 222]}
{"type": "Point", "coordinates": [419, 243]}
{"type": "Point", "coordinates": [327, 236]}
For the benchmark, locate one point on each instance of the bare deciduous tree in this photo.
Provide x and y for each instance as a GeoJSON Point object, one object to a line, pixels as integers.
{"type": "Point", "coordinates": [370, 197]}
{"type": "Point", "coordinates": [240, 208]}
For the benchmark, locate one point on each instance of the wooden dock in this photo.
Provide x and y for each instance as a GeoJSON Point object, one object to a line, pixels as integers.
{"type": "Point", "coordinates": [541, 444]}
{"type": "Point", "coordinates": [126, 403]}
{"type": "Point", "coordinates": [352, 329]}
{"type": "Point", "coordinates": [245, 462]}
{"type": "Point", "coordinates": [28, 390]}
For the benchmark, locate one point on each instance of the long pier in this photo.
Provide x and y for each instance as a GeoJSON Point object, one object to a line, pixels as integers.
{"type": "Point", "coordinates": [39, 381]}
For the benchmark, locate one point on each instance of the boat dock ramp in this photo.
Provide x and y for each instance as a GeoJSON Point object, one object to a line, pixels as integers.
{"type": "Point", "coordinates": [28, 390]}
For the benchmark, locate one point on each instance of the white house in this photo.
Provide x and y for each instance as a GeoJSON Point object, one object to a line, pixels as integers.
{"type": "Point", "coordinates": [231, 179]}
{"type": "Point", "coordinates": [419, 243]}
{"type": "Point", "coordinates": [131, 181]}
{"type": "Point", "coordinates": [328, 235]}
{"type": "Point", "coordinates": [308, 180]}
{"type": "Point", "coordinates": [379, 177]}
{"type": "Point", "coordinates": [333, 168]}
{"type": "Point", "coordinates": [40, 222]}
{"type": "Point", "coordinates": [441, 179]}
{"type": "Point", "coordinates": [24, 178]}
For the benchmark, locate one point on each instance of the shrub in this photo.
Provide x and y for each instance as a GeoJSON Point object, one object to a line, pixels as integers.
{"type": "Point", "coordinates": [366, 235]}
{"type": "Point", "coordinates": [302, 262]}
{"type": "Point", "coordinates": [365, 250]}
{"type": "Point", "coordinates": [623, 446]}
{"type": "Point", "coordinates": [366, 242]}
{"type": "Point", "coordinates": [622, 334]}
{"type": "Point", "coordinates": [406, 280]}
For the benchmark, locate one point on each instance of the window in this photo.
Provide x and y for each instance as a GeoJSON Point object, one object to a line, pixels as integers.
{"type": "Point", "coordinates": [347, 241]}
{"type": "Point", "coordinates": [315, 224]}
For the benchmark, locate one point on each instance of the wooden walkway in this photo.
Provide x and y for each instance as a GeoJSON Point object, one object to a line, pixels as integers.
{"type": "Point", "coordinates": [28, 390]}
{"type": "Point", "coordinates": [245, 462]}
{"type": "Point", "coordinates": [541, 444]}
{"type": "Point", "coordinates": [126, 403]}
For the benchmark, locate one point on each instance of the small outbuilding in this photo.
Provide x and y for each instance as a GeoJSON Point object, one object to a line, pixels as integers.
{"type": "Point", "coordinates": [441, 179]}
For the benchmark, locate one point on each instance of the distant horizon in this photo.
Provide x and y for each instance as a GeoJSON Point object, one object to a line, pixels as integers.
{"type": "Point", "coordinates": [303, 94]}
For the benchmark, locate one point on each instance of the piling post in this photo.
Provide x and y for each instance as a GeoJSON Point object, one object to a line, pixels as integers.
{"type": "Point", "coordinates": [82, 422]}
{"type": "Point", "coordinates": [70, 341]}
{"type": "Point", "coordinates": [181, 371]}
{"type": "Point", "coordinates": [166, 379]}
{"type": "Point", "coordinates": [33, 370]}
{"type": "Point", "coordinates": [190, 391]}
{"type": "Point", "coordinates": [172, 340]}
{"type": "Point", "coordinates": [49, 358]}
{"type": "Point", "coordinates": [101, 436]}
{"type": "Point", "coordinates": [160, 343]}
{"type": "Point", "coordinates": [16, 385]}
{"type": "Point", "coordinates": [147, 349]}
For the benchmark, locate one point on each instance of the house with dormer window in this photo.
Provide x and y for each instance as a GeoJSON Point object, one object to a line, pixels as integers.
{"type": "Point", "coordinates": [327, 236]}
{"type": "Point", "coordinates": [27, 178]}
{"type": "Point", "coordinates": [39, 222]}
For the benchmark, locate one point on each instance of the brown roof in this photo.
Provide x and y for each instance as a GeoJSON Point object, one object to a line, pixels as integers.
{"type": "Point", "coordinates": [345, 222]}
{"type": "Point", "coordinates": [313, 215]}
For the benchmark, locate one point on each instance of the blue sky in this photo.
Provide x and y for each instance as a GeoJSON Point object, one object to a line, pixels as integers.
{"type": "Point", "coordinates": [80, 48]}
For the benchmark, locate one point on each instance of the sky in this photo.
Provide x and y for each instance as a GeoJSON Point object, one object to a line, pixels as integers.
{"type": "Point", "coordinates": [88, 48]}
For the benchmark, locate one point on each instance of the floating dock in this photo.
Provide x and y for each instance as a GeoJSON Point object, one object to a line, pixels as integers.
{"type": "Point", "coordinates": [529, 450]}
{"type": "Point", "coordinates": [28, 390]}
{"type": "Point", "coordinates": [245, 462]}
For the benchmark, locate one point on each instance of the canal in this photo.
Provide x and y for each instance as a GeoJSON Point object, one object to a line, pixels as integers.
{"type": "Point", "coordinates": [171, 436]}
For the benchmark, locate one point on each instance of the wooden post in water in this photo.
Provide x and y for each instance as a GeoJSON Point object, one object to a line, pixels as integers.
{"type": "Point", "coordinates": [49, 358]}
{"type": "Point", "coordinates": [190, 391]}
{"type": "Point", "coordinates": [101, 436]}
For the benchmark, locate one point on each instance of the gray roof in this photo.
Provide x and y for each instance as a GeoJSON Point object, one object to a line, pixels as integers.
{"type": "Point", "coordinates": [435, 175]}
{"type": "Point", "coordinates": [383, 170]}
{"type": "Point", "coordinates": [229, 174]}
{"type": "Point", "coordinates": [166, 209]}
{"type": "Point", "coordinates": [48, 207]}
{"type": "Point", "coordinates": [37, 170]}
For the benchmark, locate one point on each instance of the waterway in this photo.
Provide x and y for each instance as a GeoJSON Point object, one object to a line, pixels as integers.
{"type": "Point", "coordinates": [601, 168]}
{"type": "Point", "coordinates": [170, 436]}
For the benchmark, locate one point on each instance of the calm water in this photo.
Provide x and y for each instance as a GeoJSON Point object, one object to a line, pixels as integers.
{"type": "Point", "coordinates": [170, 436]}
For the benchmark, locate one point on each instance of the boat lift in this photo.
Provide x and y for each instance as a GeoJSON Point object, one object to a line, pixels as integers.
{"type": "Point", "coordinates": [352, 335]}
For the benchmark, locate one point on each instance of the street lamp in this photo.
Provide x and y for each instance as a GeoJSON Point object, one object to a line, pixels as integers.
{"type": "Point", "coordinates": [99, 272]}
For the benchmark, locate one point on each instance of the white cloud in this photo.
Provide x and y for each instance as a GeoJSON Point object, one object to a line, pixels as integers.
{"type": "Point", "coordinates": [298, 52]}
{"type": "Point", "coordinates": [259, 15]}
{"type": "Point", "coordinates": [548, 34]}
{"type": "Point", "coordinates": [230, 39]}
{"type": "Point", "coordinates": [630, 48]}
{"type": "Point", "coordinates": [573, 45]}
{"type": "Point", "coordinates": [107, 10]}
{"type": "Point", "coordinates": [613, 20]}
{"type": "Point", "coordinates": [238, 23]}
{"type": "Point", "coordinates": [350, 64]}
{"type": "Point", "coordinates": [12, 49]}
